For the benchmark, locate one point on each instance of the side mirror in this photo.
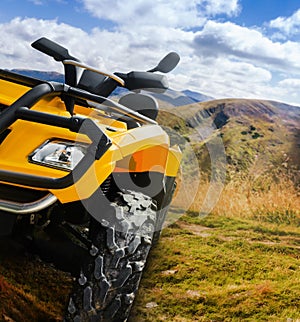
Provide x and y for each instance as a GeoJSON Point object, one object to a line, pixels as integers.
{"type": "Point", "coordinates": [167, 64]}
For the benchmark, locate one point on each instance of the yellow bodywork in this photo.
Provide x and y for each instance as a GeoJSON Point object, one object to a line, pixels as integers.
{"type": "Point", "coordinates": [140, 149]}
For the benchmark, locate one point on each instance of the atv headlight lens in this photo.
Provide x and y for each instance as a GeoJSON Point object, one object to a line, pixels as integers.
{"type": "Point", "coordinates": [62, 155]}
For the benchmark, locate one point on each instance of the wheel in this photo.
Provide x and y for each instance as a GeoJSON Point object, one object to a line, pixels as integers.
{"type": "Point", "coordinates": [112, 270]}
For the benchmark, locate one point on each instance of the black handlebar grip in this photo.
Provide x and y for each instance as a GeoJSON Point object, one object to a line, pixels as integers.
{"type": "Point", "coordinates": [52, 49]}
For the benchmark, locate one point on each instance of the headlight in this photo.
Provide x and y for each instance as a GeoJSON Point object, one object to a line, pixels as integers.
{"type": "Point", "coordinates": [58, 154]}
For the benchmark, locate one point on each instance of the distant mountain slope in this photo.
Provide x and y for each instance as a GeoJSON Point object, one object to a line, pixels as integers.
{"type": "Point", "coordinates": [180, 98]}
{"type": "Point", "coordinates": [172, 97]}
{"type": "Point", "coordinates": [261, 138]}
{"type": "Point", "coordinates": [197, 97]}
{"type": "Point", "coordinates": [49, 76]}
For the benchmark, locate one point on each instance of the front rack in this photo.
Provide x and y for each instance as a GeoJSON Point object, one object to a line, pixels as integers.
{"type": "Point", "coordinates": [39, 92]}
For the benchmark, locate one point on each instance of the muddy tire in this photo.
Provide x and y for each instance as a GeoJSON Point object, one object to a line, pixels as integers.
{"type": "Point", "coordinates": [112, 270]}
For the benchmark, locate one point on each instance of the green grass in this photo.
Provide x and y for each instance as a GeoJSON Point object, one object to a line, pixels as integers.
{"type": "Point", "coordinates": [222, 269]}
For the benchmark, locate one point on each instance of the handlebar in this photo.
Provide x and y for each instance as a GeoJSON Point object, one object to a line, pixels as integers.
{"type": "Point", "coordinates": [95, 84]}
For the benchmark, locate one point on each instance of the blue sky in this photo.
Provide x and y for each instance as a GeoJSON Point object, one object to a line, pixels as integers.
{"type": "Point", "coordinates": [228, 48]}
{"type": "Point", "coordinates": [257, 12]}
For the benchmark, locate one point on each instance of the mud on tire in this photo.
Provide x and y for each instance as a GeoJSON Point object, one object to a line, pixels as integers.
{"type": "Point", "coordinates": [112, 270]}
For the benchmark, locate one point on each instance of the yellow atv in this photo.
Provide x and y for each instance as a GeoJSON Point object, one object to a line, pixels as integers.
{"type": "Point", "coordinates": [85, 180]}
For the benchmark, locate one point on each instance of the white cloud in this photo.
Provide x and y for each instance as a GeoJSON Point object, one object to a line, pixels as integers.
{"type": "Point", "coordinates": [290, 83]}
{"type": "Point", "coordinates": [140, 12]}
{"type": "Point", "coordinates": [175, 13]}
{"type": "Point", "coordinates": [231, 40]}
{"type": "Point", "coordinates": [287, 25]}
{"type": "Point", "coordinates": [215, 7]}
{"type": "Point", "coordinates": [221, 77]}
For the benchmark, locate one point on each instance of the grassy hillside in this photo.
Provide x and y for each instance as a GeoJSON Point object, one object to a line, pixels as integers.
{"type": "Point", "coordinates": [261, 140]}
{"type": "Point", "coordinates": [239, 263]}
{"type": "Point", "coordinates": [252, 131]}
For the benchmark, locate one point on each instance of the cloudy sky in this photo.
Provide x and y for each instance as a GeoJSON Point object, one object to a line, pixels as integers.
{"type": "Point", "coordinates": [228, 48]}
